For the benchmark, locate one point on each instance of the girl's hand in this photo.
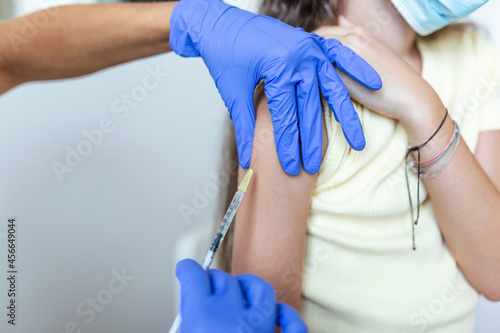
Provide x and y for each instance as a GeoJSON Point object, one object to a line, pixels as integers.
{"type": "Point", "coordinates": [405, 95]}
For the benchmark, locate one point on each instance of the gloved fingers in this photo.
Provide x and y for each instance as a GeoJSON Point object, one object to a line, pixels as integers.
{"type": "Point", "coordinates": [195, 282]}
{"type": "Point", "coordinates": [339, 101]}
{"type": "Point", "coordinates": [310, 119]}
{"type": "Point", "coordinates": [227, 286]}
{"type": "Point", "coordinates": [357, 68]}
{"type": "Point", "coordinates": [290, 320]}
{"type": "Point", "coordinates": [350, 63]}
{"type": "Point", "coordinates": [283, 108]}
{"type": "Point", "coordinates": [258, 292]}
{"type": "Point", "coordinates": [243, 116]}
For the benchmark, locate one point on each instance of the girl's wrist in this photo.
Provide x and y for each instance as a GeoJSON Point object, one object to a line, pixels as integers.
{"type": "Point", "coordinates": [421, 124]}
{"type": "Point", "coordinates": [422, 112]}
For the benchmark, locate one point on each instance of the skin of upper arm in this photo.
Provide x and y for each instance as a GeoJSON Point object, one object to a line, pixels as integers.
{"type": "Point", "coordinates": [270, 225]}
{"type": "Point", "coordinates": [487, 146]}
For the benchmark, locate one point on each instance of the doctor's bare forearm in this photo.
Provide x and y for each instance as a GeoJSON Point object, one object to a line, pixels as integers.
{"type": "Point", "coordinates": [71, 41]}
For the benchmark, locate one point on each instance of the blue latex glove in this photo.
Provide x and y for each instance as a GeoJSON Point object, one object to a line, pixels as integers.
{"type": "Point", "coordinates": [241, 48]}
{"type": "Point", "coordinates": [215, 301]}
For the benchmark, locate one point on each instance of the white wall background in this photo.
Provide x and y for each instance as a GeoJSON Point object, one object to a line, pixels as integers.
{"type": "Point", "coordinates": [119, 209]}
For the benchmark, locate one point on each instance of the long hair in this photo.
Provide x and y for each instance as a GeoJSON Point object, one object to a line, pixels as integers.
{"type": "Point", "coordinates": [307, 14]}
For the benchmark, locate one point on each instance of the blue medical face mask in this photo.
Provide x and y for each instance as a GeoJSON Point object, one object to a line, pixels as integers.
{"type": "Point", "coordinates": [427, 16]}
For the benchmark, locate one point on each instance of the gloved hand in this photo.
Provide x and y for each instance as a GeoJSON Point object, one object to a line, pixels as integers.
{"type": "Point", "coordinates": [215, 301]}
{"type": "Point", "coordinates": [241, 48]}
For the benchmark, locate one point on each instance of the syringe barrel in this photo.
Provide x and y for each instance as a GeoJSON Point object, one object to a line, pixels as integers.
{"type": "Point", "coordinates": [231, 211]}
{"type": "Point", "coordinates": [224, 226]}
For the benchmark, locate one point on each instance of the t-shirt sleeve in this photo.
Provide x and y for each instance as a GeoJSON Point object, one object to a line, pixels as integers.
{"type": "Point", "coordinates": [488, 92]}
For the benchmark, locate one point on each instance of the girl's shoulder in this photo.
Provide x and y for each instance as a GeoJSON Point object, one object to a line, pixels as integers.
{"type": "Point", "coordinates": [464, 43]}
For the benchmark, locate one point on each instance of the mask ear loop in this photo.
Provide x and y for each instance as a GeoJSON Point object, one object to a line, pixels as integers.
{"type": "Point", "coordinates": [414, 222]}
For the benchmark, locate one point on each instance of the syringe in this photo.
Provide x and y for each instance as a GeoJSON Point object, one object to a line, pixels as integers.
{"type": "Point", "coordinates": [221, 233]}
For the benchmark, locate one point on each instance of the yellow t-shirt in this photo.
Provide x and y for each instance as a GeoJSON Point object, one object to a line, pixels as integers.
{"type": "Point", "coordinates": [360, 272]}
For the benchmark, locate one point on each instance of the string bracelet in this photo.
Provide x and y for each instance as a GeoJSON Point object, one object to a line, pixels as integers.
{"type": "Point", "coordinates": [438, 171]}
{"type": "Point", "coordinates": [414, 222]}
{"type": "Point", "coordinates": [427, 163]}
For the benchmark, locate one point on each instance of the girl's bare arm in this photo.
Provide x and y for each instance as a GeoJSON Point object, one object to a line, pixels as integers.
{"type": "Point", "coordinates": [270, 226]}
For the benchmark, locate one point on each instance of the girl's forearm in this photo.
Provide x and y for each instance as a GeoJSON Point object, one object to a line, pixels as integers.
{"type": "Point", "coordinates": [466, 203]}
{"type": "Point", "coordinates": [71, 41]}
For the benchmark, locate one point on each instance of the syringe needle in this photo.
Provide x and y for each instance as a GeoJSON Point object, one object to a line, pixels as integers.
{"type": "Point", "coordinates": [254, 161]}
